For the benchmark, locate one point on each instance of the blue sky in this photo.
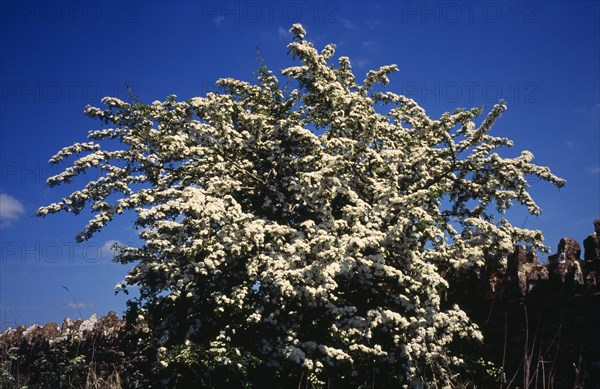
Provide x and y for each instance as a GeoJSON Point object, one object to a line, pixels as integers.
{"type": "Point", "coordinates": [542, 57]}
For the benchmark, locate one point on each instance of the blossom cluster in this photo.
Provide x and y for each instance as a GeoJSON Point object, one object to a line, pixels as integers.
{"type": "Point", "coordinates": [304, 227]}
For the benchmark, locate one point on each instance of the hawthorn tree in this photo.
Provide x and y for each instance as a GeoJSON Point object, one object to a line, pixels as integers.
{"type": "Point", "coordinates": [299, 234]}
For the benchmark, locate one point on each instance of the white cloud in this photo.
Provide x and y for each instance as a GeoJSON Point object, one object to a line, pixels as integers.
{"type": "Point", "coordinates": [78, 306]}
{"type": "Point", "coordinates": [361, 63]}
{"type": "Point", "coordinates": [283, 33]}
{"type": "Point", "coordinates": [11, 210]}
{"type": "Point", "coordinates": [587, 108]}
{"type": "Point", "coordinates": [594, 170]}
{"type": "Point", "coordinates": [106, 250]}
{"type": "Point", "coordinates": [348, 24]}
{"type": "Point", "coordinates": [570, 145]}
{"type": "Point", "coordinates": [371, 45]}
{"type": "Point", "coordinates": [373, 24]}
{"type": "Point", "coordinates": [368, 44]}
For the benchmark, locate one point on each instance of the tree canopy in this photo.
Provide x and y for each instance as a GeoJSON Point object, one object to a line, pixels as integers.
{"type": "Point", "coordinates": [306, 231]}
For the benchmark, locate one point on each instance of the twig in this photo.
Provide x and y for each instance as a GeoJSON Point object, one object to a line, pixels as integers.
{"type": "Point", "coordinates": [504, 350]}
{"type": "Point", "coordinates": [535, 335]}
{"type": "Point", "coordinates": [526, 361]}
{"type": "Point", "coordinates": [74, 302]}
{"type": "Point", "coordinates": [301, 377]}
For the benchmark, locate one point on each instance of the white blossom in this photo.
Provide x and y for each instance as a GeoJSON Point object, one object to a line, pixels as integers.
{"type": "Point", "coordinates": [321, 243]}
